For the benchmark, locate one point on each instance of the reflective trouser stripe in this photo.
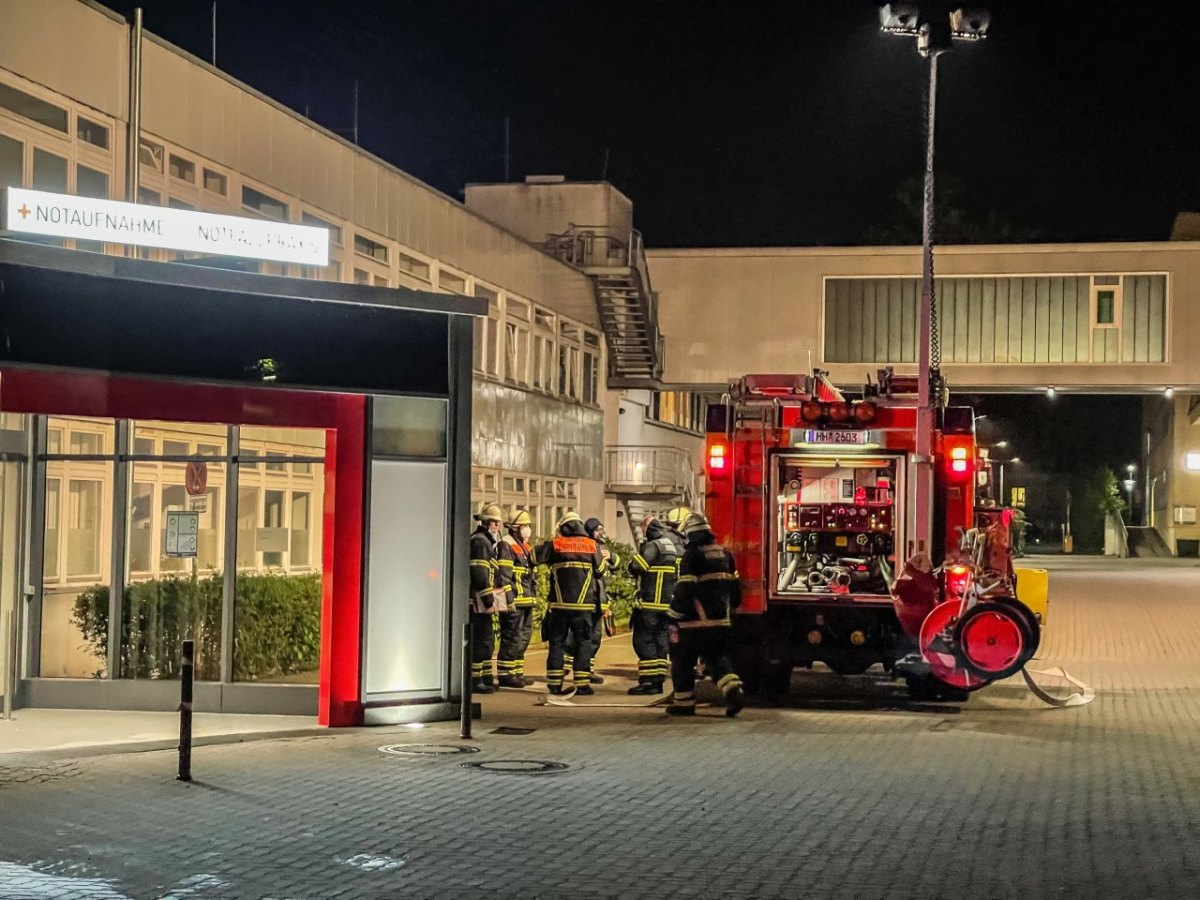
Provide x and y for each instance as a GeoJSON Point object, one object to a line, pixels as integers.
{"type": "Point", "coordinates": [729, 682]}
{"type": "Point", "coordinates": [656, 668]}
{"type": "Point", "coordinates": [554, 677]}
{"type": "Point", "coordinates": [583, 676]}
{"type": "Point", "coordinates": [684, 698]}
{"type": "Point", "coordinates": [507, 666]}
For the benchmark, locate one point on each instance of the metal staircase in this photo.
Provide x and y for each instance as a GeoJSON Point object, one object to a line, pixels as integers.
{"type": "Point", "coordinates": [628, 307]}
{"type": "Point", "coordinates": [649, 480]}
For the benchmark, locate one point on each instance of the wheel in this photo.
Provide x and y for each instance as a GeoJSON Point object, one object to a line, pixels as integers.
{"type": "Point", "coordinates": [777, 678]}
{"type": "Point", "coordinates": [939, 649]}
{"type": "Point", "coordinates": [994, 640]}
{"type": "Point", "coordinates": [1031, 621]}
{"type": "Point", "coordinates": [849, 665]}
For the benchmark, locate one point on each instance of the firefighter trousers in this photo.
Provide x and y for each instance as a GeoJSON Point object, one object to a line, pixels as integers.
{"type": "Point", "coordinates": [483, 645]}
{"type": "Point", "coordinates": [577, 625]}
{"type": "Point", "coordinates": [597, 635]}
{"type": "Point", "coordinates": [693, 644]}
{"type": "Point", "coordinates": [516, 630]}
{"type": "Point", "coordinates": [650, 644]}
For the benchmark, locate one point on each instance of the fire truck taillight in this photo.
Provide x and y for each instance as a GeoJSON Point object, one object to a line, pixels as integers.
{"type": "Point", "coordinates": [811, 412]}
{"type": "Point", "coordinates": [864, 413]}
{"type": "Point", "coordinates": [717, 461]}
{"type": "Point", "coordinates": [959, 463]}
{"type": "Point", "coordinates": [839, 412]}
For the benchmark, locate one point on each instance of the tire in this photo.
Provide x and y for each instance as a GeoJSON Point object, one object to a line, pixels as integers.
{"type": "Point", "coordinates": [1000, 628]}
{"type": "Point", "coordinates": [777, 679]}
{"type": "Point", "coordinates": [852, 665]}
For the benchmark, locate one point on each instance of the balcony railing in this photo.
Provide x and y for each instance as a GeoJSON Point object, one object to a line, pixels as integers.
{"type": "Point", "coordinates": [650, 471]}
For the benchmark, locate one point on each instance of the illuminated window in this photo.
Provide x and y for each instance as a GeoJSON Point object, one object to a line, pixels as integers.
{"type": "Point", "coordinates": [1191, 462]}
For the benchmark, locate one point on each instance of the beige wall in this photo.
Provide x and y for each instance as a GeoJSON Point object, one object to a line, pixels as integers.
{"type": "Point", "coordinates": [536, 210]}
{"type": "Point", "coordinates": [729, 312]}
{"type": "Point", "coordinates": [1174, 433]}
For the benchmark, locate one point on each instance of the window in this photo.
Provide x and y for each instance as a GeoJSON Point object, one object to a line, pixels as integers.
{"type": "Point", "coordinates": [91, 183]}
{"type": "Point", "coordinates": [379, 281]}
{"type": "Point", "coordinates": [1106, 303]}
{"type": "Point", "coordinates": [12, 170]}
{"type": "Point", "coordinates": [262, 203]}
{"type": "Point", "coordinates": [32, 108]}
{"type": "Point", "coordinates": [335, 231]}
{"type": "Point", "coordinates": [568, 364]}
{"type": "Point", "coordinates": [92, 132]}
{"type": "Point", "coordinates": [276, 462]}
{"type": "Point", "coordinates": [448, 281]}
{"type": "Point", "coordinates": [183, 169]}
{"type": "Point", "coordinates": [215, 182]}
{"type": "Point", "coordinates": [87, 443]}
{"type": "Point", "coordinates": [1106, 307]}
{"type": "Point", "coordinates": [362, 276]}
{"type": "Point", "coordinates": [368, 247]}
{"type": "Point", "coordinates": [413, 266]}
{"type": "Point", "coordinates": [49, 172]}
{"type": "Point", "coordinates": [150, 155]}
{"type": "Point", "coordinates": [300, 543]}
{"type": "Point", "coordinates": [148, 197]}
{"type": "Point", "coordinates": [516, 353]}
{"type": "Point", "coordinates": [679, 408]}
{"type": "Point", "coordinates": [50, 554]}
{"type": "Point", "coordinates": [83, 528]}
{"type": "Point", "coordinates": [591, 376]}
{"type": "Point", "coordinates": [176, 203]}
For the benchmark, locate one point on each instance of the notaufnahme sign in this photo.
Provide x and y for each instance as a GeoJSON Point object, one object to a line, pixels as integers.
{"type": "Point", "coordinates": [68, 216]}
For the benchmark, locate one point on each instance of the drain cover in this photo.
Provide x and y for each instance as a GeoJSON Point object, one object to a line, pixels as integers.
{"type": "Point", "coordinates": [516, 766]}
{"type": "Point", "coordinates": [505, 729]}
{"type": "Point", "coordinates": [427, 749]}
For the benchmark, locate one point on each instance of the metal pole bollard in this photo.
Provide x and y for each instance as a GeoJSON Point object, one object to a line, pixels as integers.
{"type": "Point", "coordinates": [9, 676]}
{"type": "Point", "coordinates": [185, 712]}
{"type": "Point", "coordinates": [464, 728]}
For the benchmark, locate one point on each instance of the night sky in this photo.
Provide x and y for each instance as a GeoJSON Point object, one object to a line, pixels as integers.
{"type": "Point", "coordinates": [760, 123]}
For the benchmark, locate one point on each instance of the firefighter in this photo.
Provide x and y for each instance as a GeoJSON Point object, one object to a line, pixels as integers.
{"type": "Point", "coordinates": [655, 567]}
{"type": "Point", "coordinates": [484, 596]}
{"type": "Point", "coordinates": [701, 610]}
{"type": "Point", "coordinates": [604, 617]}
{"type": "Point", "coordinates": [675, 518]}
{"type": "Point", "coordinates": [514, 570]}
{"type": "Point", "coordinates": [576, 567]}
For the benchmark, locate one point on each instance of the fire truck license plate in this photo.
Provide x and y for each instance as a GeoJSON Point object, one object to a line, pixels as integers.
{"type": "Point", "coordinates": [836, 437]}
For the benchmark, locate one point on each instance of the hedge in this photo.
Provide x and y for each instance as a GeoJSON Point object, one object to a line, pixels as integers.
{"type": "Point", "coordinates": [277, 626]}
{"type": "Point", "coordinates": [622, 588]}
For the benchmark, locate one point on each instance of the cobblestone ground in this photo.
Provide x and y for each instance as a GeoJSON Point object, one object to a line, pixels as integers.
{"type": "Point", "coordinates": [847, 792]}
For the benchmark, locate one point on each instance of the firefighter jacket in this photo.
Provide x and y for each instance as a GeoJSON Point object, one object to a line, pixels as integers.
{"type": "Point", "coordinates": [483, 569]}
{"type": "Point", "coordinates": [514, 571]}
{"type": "Point", "coordinates": [680, 543]}
{"type": "Point", "coordinates": [708, 589]}
{"type": "Point", "coordinates": [611, 561]}
{"type": "Point", "coordinates": [576, 566]}
{"type": "Point", "coordinates": [655, 566]}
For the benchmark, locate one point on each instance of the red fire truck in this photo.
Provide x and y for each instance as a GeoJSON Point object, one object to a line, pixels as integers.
{"type": "Point", "coordinates": [813, 493]}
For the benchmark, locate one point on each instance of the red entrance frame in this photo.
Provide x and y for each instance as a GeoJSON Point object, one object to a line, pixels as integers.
{"type": "Point", "coordinates": [343, 416]}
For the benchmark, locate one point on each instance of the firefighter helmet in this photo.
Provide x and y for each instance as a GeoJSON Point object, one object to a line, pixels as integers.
{"type": "Point", "coordinates": [651, 517]}
{"type": "Point", "coordinates": [519, 517]}
{"type": "Point", "coordinates": [677, 516]}
{"type": "Point", "coordinates": [695, 524]}
{"type": "Point", "coordinates": [490, 512]}
{"type": "Point", "coordinates": [569, 516]}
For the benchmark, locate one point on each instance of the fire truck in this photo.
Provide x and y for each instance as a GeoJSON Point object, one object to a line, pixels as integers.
{"type": "Point", "coordinates": [813, 492]}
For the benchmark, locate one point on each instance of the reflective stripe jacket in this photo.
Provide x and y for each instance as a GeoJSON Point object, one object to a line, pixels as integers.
{"type": "Point", "coordinates": [483, 565]}
{"type": "Point", "coordinates": [708, 589]}
{"type": "Point", "coordinates": [655, 566]}
{"type": "Point", "coordinates": [514, 571]}
{"type": "Point", "coordinates": [576, 566]}
{"type": "Point", "coordinates": [611, 561]}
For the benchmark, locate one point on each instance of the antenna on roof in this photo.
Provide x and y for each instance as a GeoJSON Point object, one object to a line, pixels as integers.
{"type": "Point", "coordinates": [604, 166]}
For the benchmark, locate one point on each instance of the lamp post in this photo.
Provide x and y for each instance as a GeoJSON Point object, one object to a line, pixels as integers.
{"type": "Point", "coordinates": [935, 25]}
{"type": "Point", "coordinates": [1130, 483]}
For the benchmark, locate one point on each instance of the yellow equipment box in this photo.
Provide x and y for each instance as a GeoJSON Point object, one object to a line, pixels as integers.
{"type": "Point", "coordinates": [1033, 589]}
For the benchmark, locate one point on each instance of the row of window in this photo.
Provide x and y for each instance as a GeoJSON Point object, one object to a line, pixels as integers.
{"type": "Point", "coordinates": [682, 409]}
{"type": "Point", "coordinates": [530, 347]}
{"type": "Point", "coordinates": [545, 499]}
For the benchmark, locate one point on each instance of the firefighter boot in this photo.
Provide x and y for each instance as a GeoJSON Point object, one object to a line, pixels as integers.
{"type": "Point", "coordinates": [482, 687]}
{"type": "Point", "coordinates": [681, 710]}
{"type": "Point", "coordinates": [647, 687]}
{"type": "Point", "coordinates": [597, 679]}
{"type": "Point", "coordinates": [734, 701]}
{"type": "Point", "coordinates": [511, 681]}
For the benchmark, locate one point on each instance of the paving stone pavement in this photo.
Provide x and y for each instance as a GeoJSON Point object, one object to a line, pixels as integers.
{"type": "Point", "coordinates": [847, 792]}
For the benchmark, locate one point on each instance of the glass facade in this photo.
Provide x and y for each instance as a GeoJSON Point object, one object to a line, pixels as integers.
{"type": "Point", "coordinates": [184, 503]}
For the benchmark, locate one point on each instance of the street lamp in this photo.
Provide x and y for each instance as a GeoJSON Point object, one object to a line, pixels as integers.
{"type": "Point", "coordinates": [935, 25]}
{"type": "Point", "coordinates": [1012, 462]}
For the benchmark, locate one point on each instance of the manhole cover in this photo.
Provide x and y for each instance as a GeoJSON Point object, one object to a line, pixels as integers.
{"type": "Point", "coordinates": [516, 766]}
{"type": "Point", "coordinates": [505, 729]}
{"type": "Point", "coordinates": [427, 749]}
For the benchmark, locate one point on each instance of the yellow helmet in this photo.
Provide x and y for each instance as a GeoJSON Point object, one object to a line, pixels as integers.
{"type": "Point", "coordinates": [490, 512]}
{"type": "Point", "coordinates": [519, 517]}
{"type": "Point", "coordinates": [569, 516]}
{"type": "Point", "coordinates": [677, 516]}
{"type": "Point", "coordinates": [695, 523]}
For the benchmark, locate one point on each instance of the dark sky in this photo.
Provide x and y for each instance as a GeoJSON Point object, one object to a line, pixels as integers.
{"type": "Point", "coordinates": [770, 122]}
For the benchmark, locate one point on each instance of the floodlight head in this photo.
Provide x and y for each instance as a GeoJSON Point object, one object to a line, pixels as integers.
{"type": "Point", "coordinates": [899, 18]}
{"type": "Point", "coordinates": [968, 24]}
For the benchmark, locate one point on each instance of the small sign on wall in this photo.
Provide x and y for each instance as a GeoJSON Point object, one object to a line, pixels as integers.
{"type": "Point", "coordinates": [183, 527]}
{"type": "Point", "coordinates": [1185, 515]}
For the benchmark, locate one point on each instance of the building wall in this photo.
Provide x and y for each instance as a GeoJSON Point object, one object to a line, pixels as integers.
{"type": "Point", "coordinates": [535, 210]}
{"type": "Point", "coordinates": [1173, 429]}
{"type": "Point", "coordinates": [728, 312]}
{"type": "Point", "coordinates": [210, 142]}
